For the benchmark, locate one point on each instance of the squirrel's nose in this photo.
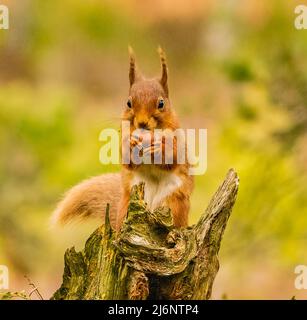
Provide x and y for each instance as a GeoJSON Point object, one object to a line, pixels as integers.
{"type": "Point", "coordinates": [143, 125]}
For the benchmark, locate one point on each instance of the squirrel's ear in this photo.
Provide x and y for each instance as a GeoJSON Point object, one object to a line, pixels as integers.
{"type": "Point", "coordinates": [132, 69]}
{"type": "Point", "coordinates": [164, 75]}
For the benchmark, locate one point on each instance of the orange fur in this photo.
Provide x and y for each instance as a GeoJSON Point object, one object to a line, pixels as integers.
{"type": "Point", "coordinates": [90, 198]}
{"type": "Point", "coordinates": [144, 96]}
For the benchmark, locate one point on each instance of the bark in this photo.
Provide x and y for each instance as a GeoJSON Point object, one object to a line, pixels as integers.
{"type": "Point", "coordinates": [149, 258]}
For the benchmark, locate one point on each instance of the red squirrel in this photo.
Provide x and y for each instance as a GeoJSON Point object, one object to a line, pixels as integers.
{"type": "Point", "coordinates": [148, 108]}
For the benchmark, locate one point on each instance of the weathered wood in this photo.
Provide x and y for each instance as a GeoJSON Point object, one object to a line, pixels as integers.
{"type": "Point", "coordinates": [150, 258]}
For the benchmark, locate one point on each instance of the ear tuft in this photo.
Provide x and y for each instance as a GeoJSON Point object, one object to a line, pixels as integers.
{"type": "Point", "coordinates": [164, 68]}
{"type": "Point", "coordinates": [132, 68]}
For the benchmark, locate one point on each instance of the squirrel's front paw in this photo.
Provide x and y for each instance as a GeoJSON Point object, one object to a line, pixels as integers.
{"type": "Point", "coordinates": [153, 149]}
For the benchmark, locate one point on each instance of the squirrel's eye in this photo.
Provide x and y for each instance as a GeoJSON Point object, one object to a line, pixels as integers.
{"type": "Point", "coordinates": [161, 104]}
{"type": "Point", "coordinates": [129, 104]}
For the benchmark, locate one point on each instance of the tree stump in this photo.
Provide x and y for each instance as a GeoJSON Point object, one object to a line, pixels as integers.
{"type": "Point", "coordinates": [149, 258]}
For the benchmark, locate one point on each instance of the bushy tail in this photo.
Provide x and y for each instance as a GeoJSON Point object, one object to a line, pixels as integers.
{"type": "Point", "coordinates": [89, 199]}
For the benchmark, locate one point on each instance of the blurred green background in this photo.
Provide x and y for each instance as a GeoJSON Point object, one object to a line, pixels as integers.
{"type": "Point", "coordinates": [237, 68]}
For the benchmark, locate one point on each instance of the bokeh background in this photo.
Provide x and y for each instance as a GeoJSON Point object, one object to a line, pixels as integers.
{"type": "Point", "coordinates": [237, 68]}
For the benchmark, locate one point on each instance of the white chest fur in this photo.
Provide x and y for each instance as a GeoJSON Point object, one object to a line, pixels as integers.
{"type": "Point", "coordinates": [158, 185]}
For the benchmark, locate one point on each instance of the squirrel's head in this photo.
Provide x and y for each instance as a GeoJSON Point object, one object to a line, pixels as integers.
{"type": "Point", "coordinates": [148, 106]}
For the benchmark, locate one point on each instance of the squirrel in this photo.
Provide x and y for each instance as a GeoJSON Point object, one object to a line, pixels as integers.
{"type": "Point", "coordinates": [148, 108]}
